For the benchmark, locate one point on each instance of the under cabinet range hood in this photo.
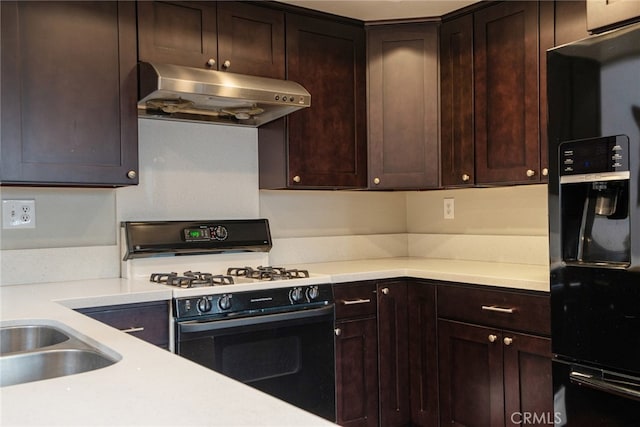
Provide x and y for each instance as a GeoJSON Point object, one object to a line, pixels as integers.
{"type": "Point", "coordinates": [192, 94]}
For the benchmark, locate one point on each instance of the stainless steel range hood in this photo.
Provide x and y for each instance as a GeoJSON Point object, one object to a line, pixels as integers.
{"type": "Point", "coordinates": [193, 94]}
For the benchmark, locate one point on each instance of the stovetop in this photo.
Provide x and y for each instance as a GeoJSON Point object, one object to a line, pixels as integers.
{"type": "Point", "coordinates": [197, 279]}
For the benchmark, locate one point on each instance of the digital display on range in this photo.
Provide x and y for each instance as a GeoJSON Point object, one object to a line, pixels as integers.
{"type": "Point", "coordinates": [196, 234]}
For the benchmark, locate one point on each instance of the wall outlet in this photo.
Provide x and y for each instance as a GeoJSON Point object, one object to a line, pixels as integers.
{"type": "Point", "coordinates": [18, 214]}
{"type": "Point", "coordinates": [448, 209]}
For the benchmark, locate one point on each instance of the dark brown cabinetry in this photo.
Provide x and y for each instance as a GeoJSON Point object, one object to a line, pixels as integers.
{"type": "Point", "coordinates": [494, 356]}
{"type": "Point", "coordinates": [356, 354]}
{"type": "Point", "coordinates": [493, 102]}
{"type": "Point", "coordinates": [147, 321]}
{"type": "Point", "coordinates": [606, 14]}
{"type": "Point", "coordinates": [324, 146]}
{"type": "Point", "coordinates": [507, 113]}
{"type": "Point", "coordinates": [456, 102]}
{"type": "Point", "coordinates": [403, 106]}
{"type": "Point", "coordinates": [227, 36]}
{"type": "Point", "coordinates": [68, 108]}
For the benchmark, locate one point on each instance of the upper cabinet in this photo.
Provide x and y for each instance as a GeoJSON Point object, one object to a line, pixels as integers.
{"type": "Point", "coordinates": [494, 94]}
{"type": "Point", "coordinates": [324, 146]}
{"type": "Point", "coordinates": [507, 128]}
{"type": "Point", "coordinates": [403, 106]}
{"type": "Point", "coordinates": [69, 87]}
{"type": "Point", "coordinates": [606, 14]}
{"type": "Point", "coordinates": [226, 36]}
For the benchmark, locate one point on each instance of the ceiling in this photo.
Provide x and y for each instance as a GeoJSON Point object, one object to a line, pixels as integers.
{"type": "Point", "coordinates": [381, 10]}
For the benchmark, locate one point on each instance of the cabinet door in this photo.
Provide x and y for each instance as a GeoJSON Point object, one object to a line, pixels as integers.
{"type": "Point", "coordinates": [423, 354]}
{"type": "Point", "coordinates": [570, 21]}
{"type": "Point", "coordinates": [456, 102]}
{"type": "Point", "coordinates": [470, 375]}
{"type": "Point", "coordinates": [251, 39]}
{"type": "Point", "coordinates": [403, 106]}
{"type": "Point", "coordinates": [182, 33]}
{"type": "Point", "coordinates": [357, 373]}
{"type": "Point", "coordinates": [68, 108]}
{"type": "Point", "coordinates": [393, 353]}
{"type": "Point", "coordinates": [147, 321]}
{"type": "Point", "coordinates": [527, 377]}
{"type": "Point", "coordinates": [327, 143]}
{"type": "Point", "coordinates": [605, 14]}
{"type": "Point", "coordinates": [507, 146]}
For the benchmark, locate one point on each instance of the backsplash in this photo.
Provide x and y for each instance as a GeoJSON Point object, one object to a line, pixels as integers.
{"type": "Point", "coordinates": [196, 171]}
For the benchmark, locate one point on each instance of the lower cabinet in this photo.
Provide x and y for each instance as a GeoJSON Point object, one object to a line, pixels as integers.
{"type": "Point", "coordinates": [147, 321]}
{"type": "Point", "coordinates": [490, 375]}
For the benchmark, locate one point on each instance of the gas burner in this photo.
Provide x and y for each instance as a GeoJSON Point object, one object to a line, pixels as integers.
{"type": "Point", "coordinates": [191, 279]}
{"type": "Point", "coordinates": [267, 273]}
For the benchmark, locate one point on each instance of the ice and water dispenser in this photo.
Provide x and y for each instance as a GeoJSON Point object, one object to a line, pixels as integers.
{"type": "Point", "coordinates": [595, 193]}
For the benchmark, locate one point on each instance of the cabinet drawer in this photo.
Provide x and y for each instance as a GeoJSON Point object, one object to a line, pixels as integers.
{"type": "Point", "coordinates": [149, 322]}
{"type": "Point", "coordinates": [503, 309]}
{"type": "Point", "coordinates": [355, 299]}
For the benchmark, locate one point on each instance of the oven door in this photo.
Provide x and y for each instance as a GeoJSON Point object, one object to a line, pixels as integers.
{"type": "Point", "coordinates": [287, 355]}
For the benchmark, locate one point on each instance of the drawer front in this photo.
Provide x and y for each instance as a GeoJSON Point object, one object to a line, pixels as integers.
{"type": "Point", "coordinates": [512, 310]}
{"type": "Point", "coordinates": [149, 322]}
{"type": "Point", "coordinates": [355, 299]}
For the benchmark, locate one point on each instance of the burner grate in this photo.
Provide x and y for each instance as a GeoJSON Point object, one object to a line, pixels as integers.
{"type": "Point", "coordinates": [267, 273]}
{"type": "Point", "coordinates": [191, 279]}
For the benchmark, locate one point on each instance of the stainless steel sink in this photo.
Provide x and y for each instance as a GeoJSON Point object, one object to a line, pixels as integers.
{"type": "Point", "coordinates": [29, 337]}
{"type": "Point", "coordinates": [35, 352]}
{"type": "Point", "coordinates": [41, 365]}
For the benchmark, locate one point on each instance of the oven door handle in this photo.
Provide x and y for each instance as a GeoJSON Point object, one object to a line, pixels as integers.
{"type": "Point", "coordinates": [612, 386]}
{"type": "Point", "coordinates": [197, 326]}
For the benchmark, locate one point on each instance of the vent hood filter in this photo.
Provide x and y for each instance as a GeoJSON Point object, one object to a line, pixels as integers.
{"type": "Point", "coordinates": [193, 94]}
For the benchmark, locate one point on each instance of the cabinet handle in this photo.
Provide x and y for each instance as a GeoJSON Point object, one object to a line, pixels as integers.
{"type": "Point", "coordinates": [297, 178]}
{"type": "Point", "coordinates": [465, 177]}
{"type": "Point", "coordinates": [337, 331]}
{"type": "Point", "coordinates": [356, 301]}
{"type": "Point", "coordinates": [531, 173]}
{"type": "Point", "coordinates": [507, 341]}
{"type": "Point", "coordinates": [226, 64]}
{"type": "Point", "coordinates": [132, 174]}
{"type": "Point", "coordinates": [385, 291]}
{"type": "Point", "coordinates": [545, 172]}
{"type": "Point", "coordinates": [376, 180]}
{"type": "Point", "coordinates": [498, 309]}
{"type": "Point", "coordinates": [133, 329]}
{"type": "Point", "coordinates": [211, 63]}
{"type": "Point", "coordinates": [492, 338]}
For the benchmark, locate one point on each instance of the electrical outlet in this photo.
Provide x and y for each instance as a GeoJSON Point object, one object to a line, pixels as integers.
{"type": "Point", "coordinates": [448, 209]}
{"type": "Point", "coordinates": [18, 214]}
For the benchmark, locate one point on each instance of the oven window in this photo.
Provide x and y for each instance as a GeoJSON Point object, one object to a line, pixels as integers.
{"type": "Point", "coordinates": [260, 360]}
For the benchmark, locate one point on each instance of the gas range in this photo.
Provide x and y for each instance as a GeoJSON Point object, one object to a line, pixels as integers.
{"type": "Point", "coordinates": [218, 268]}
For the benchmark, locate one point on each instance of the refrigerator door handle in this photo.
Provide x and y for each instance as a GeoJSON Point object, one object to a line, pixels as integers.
{"type": "Point", "coordinates": [620, 386]}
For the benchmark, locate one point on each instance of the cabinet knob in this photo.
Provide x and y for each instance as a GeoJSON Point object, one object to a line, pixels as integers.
{"type": "Point", "coordinates": [545, 172]}
{"type": "Point", "coordinates": [507, 341]}
{"type": "Point", "coordinates": [530, 173]}
{"type": "Point", "coordinates": [132, 174]}
{"type": "Point", "coordinates": [493, 338]}
{"type": "Point", "coordinates": [211, 63]}
{"type": "Point", "coordinates": [385, 291]}
{"type": "Point", "coordinates": [465, 177]}
{"type": "Point", "coordinates": [337, 331]}
{"type": "Point", "coordinates": [297, 178]}
{"type": "Point", "coordinates": [376, 180]}
{"type": "Point", "coordinates": [226, 64]}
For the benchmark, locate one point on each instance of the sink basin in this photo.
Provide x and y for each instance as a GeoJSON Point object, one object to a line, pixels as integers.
{"type": "Point", "coordinates": [41, 365]}
{"type": "Point", "coordinates": [29, 337]}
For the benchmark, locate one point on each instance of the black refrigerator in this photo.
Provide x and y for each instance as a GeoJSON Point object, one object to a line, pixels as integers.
{"type": "Point", "coordinates": [594, 228]}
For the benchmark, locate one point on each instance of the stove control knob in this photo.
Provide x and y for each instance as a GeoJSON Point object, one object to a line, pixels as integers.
{"type": "Point", "coordinates": [312, 292]}
{"type": "Point", "coordinates": [296, 294]}
{"type": "Point", "coordinates": [220, 232]}
{"type": "Point", "coordinates": [224, 302]}
{"type": "Point", "coordinates": [204, 305]}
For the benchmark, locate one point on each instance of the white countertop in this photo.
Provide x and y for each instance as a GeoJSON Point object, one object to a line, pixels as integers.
{"type": "Point", "coordinates": [150, 386]}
